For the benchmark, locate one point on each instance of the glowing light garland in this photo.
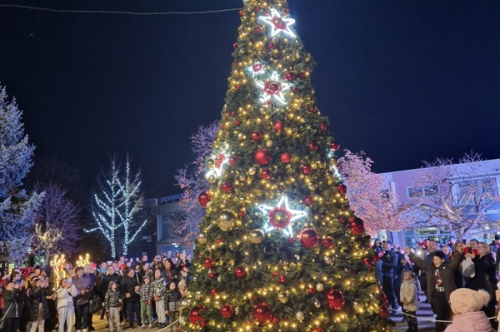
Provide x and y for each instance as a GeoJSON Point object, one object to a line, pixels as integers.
{"type": "Point", "coordinates": [57, 263]}
{"type": "Point", "coordinates": [278, 24]}
{"type": "Point", "coordinates": [83, 261]}
{"type": "Point", "coordinates": [273, 88]}
{"type": "Point", "coordinates": [283, 205]}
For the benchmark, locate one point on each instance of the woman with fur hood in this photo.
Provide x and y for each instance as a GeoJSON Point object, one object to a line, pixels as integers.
{"type": "Point", "coordinates": [466, 304]}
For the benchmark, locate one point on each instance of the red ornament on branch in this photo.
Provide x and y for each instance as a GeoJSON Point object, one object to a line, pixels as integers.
{"type": "Point", "coordinates": [262, 157]}
{"type": "Point", "coordinates": [334, 145]}
{"type": "Point", "coordinates": [266, 174]}
{"type": "Point", "coordinates": [323, 127]}
{"type": "Point", "coordinates": [195, 315]}
{"type": "Point", "coordinates": [309, 238]}
{"type": "Point", "coordinates": [327, 242]}
{"type": "Point", "coordinates": [240, 272]}
{"type": "Point", "coordinates": [313, 146]}
{"type": "Point", "coordinates": [279, 126]}
{"type": "Point", "coordinates": [282, 279]}
{"type": "Point", "coordinates": [318, 330]}
{"type": "Point", "coordinates": [309, 200]}
{"type": "Point", "coordinates": [357, 226]}
{"type": "Point", "coordinates": [226, 311]}
{"type": "Point", "coordinates": [335, 299]}
{"type": "Point", "coordinates": [262, 312]}
{"type": "Point", "coordinates": [211, 275]}
{"type": "Point", "coordinates": [384, 312]}
{"type": "Point", "coordinates": [235, 45]}
{"type": "Point", "coordinates": [204, 198]}
{"type": "Point", "coordinates": [256, 136]}
{"type": "Point", "coordinates": [306, 169]}
{"type": "Point", "coordinates": [233, 160]}
{"type": "Point", "coordinates": [226, 187]}
{"type": "Point", "coordinates": [219, 160]}
{"type": "Point", "coordinates": [342, 189]}
{"type": "Point", "coordinates": [286, 158]}
{"type": "Point", "coordinates": [289, 76]}
{"type": "Point", "coordinates": [209, 262]}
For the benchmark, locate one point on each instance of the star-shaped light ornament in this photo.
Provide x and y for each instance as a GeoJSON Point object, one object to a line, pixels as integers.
{"type": "Point", "coordinates": [273, 88]}
{"type": "Point", "coordinates": [256, 69]}
{"type": "Point", "coordinates": [281, 216]}
{"type": "Point", "coordinates": [278, 24]}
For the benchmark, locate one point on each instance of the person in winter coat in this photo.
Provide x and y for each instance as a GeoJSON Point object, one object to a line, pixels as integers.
{"type": "Point", "coordinates": [485, 277]}
{"type": "Point", "coordinates": [389, 262]}
{"type": "Point", "coordinates": [65, 308]}
{"type": "Point", "coordinates": [112, 303]}
{"type": "Point", "coordinates": [83, 284]}
{"type": "Point", "coordinates": [409, 298]}
{"type": "Point", "coordinates": [12, 309]}
{"type": "Point", "coordinates": [172, 305]}
{"type": "Point", "coordinates": [466, 305]}
{"type": "Point", "coordinates": [130, 290]}
{"type": "Point", "coordinates": [159, 293]}
{"type": "Point", "coordinates": [146, 294]}
{"type": "Point", "coordinates": [38, 306]}
{"type": "Point", "coordinates": [440, 282]}
{"type": "Point", "coordinates": [169, 271]}
{"type": "Point", "coordinates": [377, 246]}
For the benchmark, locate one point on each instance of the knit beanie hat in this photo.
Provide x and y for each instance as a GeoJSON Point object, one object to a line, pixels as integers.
{"type": "Point", "coordinates": [465, 300]}
{"type": "Point", "coordinates": [182, 283]}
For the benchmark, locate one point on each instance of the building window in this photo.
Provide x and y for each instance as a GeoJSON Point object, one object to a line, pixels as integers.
{"type": "Point", "coordinates": [414, 192]}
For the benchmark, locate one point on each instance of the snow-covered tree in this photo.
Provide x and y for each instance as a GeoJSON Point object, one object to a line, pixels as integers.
{"type": "Point", "coordinates": [57, 227]}
{"type": "Point", "coordinates": [116, 204]}
{"type": "Point", "coordinates": [368, 194]}
{"type": "Point", "coordinates": [17, 208]}
{"type": "Point", "coordinates": [452, 195]}
{"type": "Point", "coordinates": [191, 179]}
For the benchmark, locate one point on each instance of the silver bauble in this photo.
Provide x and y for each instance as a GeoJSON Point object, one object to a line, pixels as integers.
{"type": "Point", "coordinates": [257, 236]}
{"type": "Point", "coordinates": [300, 316]}
{"type": "Point", "coordinates": [226, 220]}
{"type": "Point", "coordinates": [202, 238]}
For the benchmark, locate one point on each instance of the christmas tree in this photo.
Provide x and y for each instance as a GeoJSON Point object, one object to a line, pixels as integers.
{"type": "Point", "coordinates": [278, 249]}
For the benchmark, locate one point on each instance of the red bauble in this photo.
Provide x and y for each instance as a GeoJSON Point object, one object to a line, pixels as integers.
{"type": "Point", "coordinates": [335, 299]}
{"type": "Point", "coordinates": [289, 76]}
{"type": "Point", "coordinates": [262, 157]}
{"type": "Point", "coordinates": [327, 242]}
{"type": "Point", "coordinates": [342, 189]}
{"type": "Point", "coordinates": [280, 217]}
{"type": "Point", "coordinates": [258, 30]}
{"type": "Point", "coordinates": [313, 146]}
{"type": "Point", "coordinates": [257, 8]}
{"type": "Point", "coordinates": [275, 274]}
{"type": "Point", "coordinates": [309, 238]}
{"type": "Point", "coordinates": [235, 45]}
{"type": "Point", "coordinates": [357, 226]}
{"type": "Point", "coordinates": [256, 135]}
{"type": "Point", "coordinates": [242, 214]}
{"type": "Point", "coordinates": [204, 198]}
{"type": "Point", "coordinates": [226, 187]}
{"type": "Point", "coordinates": [291, 240]}
{"type": "Point", "coordinates": [241, 12]}
{"type": "Point", "coordinates": [309, 200]}
{"type": "Point", "coordinates": [266, 174]}
{"type": "Point", "coordinates": [306, 169]}
{"type": "Point", "coordinates": [334, 145]}
{"type": "Point", "coordinates": [195, 315]}
{"type": "Point", "coordinates": [211, 275]}
{"type": "Point", "coordinates": [302, 75]}
{"type": "Point", "coordinates": [311, 290]}
{"type": "Point", "coordinates": [323, 127]}
{"type": "Point", "coordinates": [226, 311]}
{"type": "Point", "coordinates": [219, 160]}
{"type": "Point", "coordinates": [203, 323]}
{"type": "Point", "coordinates": [219, 241]}
{"type": "Point", "coordinates": [233, 160]}
{"type": "Point", "coordinates": [238, 86]}
{"type": "Point", "coordinates": [279, 126]}
{"type": "Point", "coordinates": [318, 330]}
{"type": "Point", "coordinates": [384, 312]}
{"type": "Point", "coordinates": [257, 67]}
{"type": "Point", "coordinates": [312, 109]}
{"type": "Point", "coordinates": [262, 312]}
{"type": "Point", "coordinates": [214, 291]}
{"type": "Point", "coordinates": [237, 122]}
{"type": "Point", "coordinates": [282, 278]}
{"type": "Point", "coordinates": [375, 258]}
{"type": "Point", "coordinates": [286, 158]}
{"type": "Point", "coordinates": [209, 262]}
{"type": "Point", "coordinates": [276, 320]}
{"type": "Point", "coordinates": [368, 261]}
{"type": "Point", "coordinates": [233, 113]}
{"type": "Point", "coordinates": [240, 272]}
{"type": "Point", "coordinates": [222, 127]}
{"type": "Point", "coordinates": [272, 46]}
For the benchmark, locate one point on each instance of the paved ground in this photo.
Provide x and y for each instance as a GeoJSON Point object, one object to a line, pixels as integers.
{"type": "Point", "coordinates": [424, 311]}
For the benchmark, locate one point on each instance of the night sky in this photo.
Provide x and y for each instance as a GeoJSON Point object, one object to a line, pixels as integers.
{"type": "Point", "coordinates": [404, 81]}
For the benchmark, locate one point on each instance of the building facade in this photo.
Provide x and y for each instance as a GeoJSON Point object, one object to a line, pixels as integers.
{"type": "Point", "coordinates": [458, 180]}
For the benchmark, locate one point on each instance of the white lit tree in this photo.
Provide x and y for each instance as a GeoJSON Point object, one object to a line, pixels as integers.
{"type": "Point", "coordinates": [191, 179]}
{"type": "Point", "coordinates": [116, 204]}
{"type": "Point", "coordinates": [368, 195]}
{"type": "Point", "coordinates": [453, 194]}
{"type": "Point", "coordinates": [57, 227]}
{"type": "Point", "coordinates": [17, 208]}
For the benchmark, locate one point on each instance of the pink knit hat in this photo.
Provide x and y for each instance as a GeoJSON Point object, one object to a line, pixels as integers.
{"type": "Point", "coordinates": [465, 300]}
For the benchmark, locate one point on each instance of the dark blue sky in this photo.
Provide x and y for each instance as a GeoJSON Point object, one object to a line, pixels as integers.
{"type": "Point", "coordinates": [403, 80]}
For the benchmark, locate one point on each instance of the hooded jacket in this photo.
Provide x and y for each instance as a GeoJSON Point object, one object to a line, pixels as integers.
{"type": "Point", "coordinates": [112, 297]}
{"type": "Point", "coordinates": [409, 294]}
{"type": "Point", "coordinates": [65, 296]}
{"type": "Point", "coordinates": [159, 288]}
{"type": "Point", "coordinates": [470, 322]}
{"type": "Point", "coordinates": [12, 309]}
{"type": "Point", "coordinates": [36, 296]}
{"type": "Point", "coordinates": [146, 292]}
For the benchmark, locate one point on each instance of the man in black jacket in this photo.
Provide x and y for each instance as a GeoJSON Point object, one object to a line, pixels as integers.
{"type": "Point", "coordinates": [389, 262]}
{"type": "Point", "coordinates": [130, 290]}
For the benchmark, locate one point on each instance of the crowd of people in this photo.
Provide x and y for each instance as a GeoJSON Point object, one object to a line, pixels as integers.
{"type": "Point", "coordinates": [469, 269]}
{"type": "Point", "coordinates": [128, 292]}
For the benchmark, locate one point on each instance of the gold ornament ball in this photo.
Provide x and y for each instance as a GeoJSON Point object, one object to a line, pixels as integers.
{"type": "Point", "coordinates": [219, 279]}
{"type": "Point", "coordinates": [312, 185]}
{"type": "Point", "coordinates": [252, 171]}
{"type": "Point", "coordinates": [198, 295]}
{"type": "Point", "coordinates": [183, 304]}
{"type": "Point", "coordinates": [241, 136]}
{"type": "Point", "coordinates": [329, 260]}
{"type": "Point", "coordinates": [269, 144]}
{"type": "Point", "coordinates": [317, 304]}
{"type": "Point", "coordinates": [202, 238]}
{"type": "Point", "coordinates": [320, 287]}
{"type": "Point", "coordinates": [283, 297]}
{"type": "Point", "coordinates": [211, 178]}
{"type": "Point", "coordinates": [300, 316]}
{"type": "Point", "coordinates": [210, 163]}
{"type": "Point", "coordinates": [242, 178]}
{"type": "Point", "coordinates": [226, 220]}
{"type": "Point", "coordinates": [217, 304]}
{"type": "Point", "coordinates": [257, 236]}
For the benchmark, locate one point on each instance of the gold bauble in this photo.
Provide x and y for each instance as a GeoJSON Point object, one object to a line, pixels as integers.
{"type": "Point", "coordinates": [211, 178]}
{"type": "Point", "coordinates": [198, 295]}
{"type": "Point", "coordinates": [329, 260]}
{"type": "Point", "coordinates": [269, 144]}
{"type": "Point", "coordinates": [210, 163]}
{"type": "Point", "coordinates": [241, 136]}
{"type": "Point", "coordinates": [312, 185]}
{"type": "Point", "coordinates": [300, 316]}
{"type": "Point", "coordinates": [219, 279]}
{"type": "Point", "coordinates": [317, 304]}
{"type": "Point", "coordinates": [217, 304]}
{"type": "Point", "coordinates": [242, 177]}
{"type": "Point", "coordinates": [320, 287]}
{"type": "Point", "coordinates": [202, 238]}
{"type": "Point", "coordinates": [283, 297]}
{"type": "Point", "coordinates": [226, 220]}
{"type": "Point", "coordinates": [182, 304]}
{"type": "Point", "coordinates": [252, 171]}
{"type": "Point", "coordinates": [257, 236]}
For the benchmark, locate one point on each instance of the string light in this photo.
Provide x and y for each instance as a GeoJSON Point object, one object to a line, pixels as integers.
{"type": "Point", "coordinates": [294, 215]}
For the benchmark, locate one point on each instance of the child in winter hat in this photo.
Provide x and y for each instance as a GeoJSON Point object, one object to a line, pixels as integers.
{"type": "Point", "coordinates": [466, 304]}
